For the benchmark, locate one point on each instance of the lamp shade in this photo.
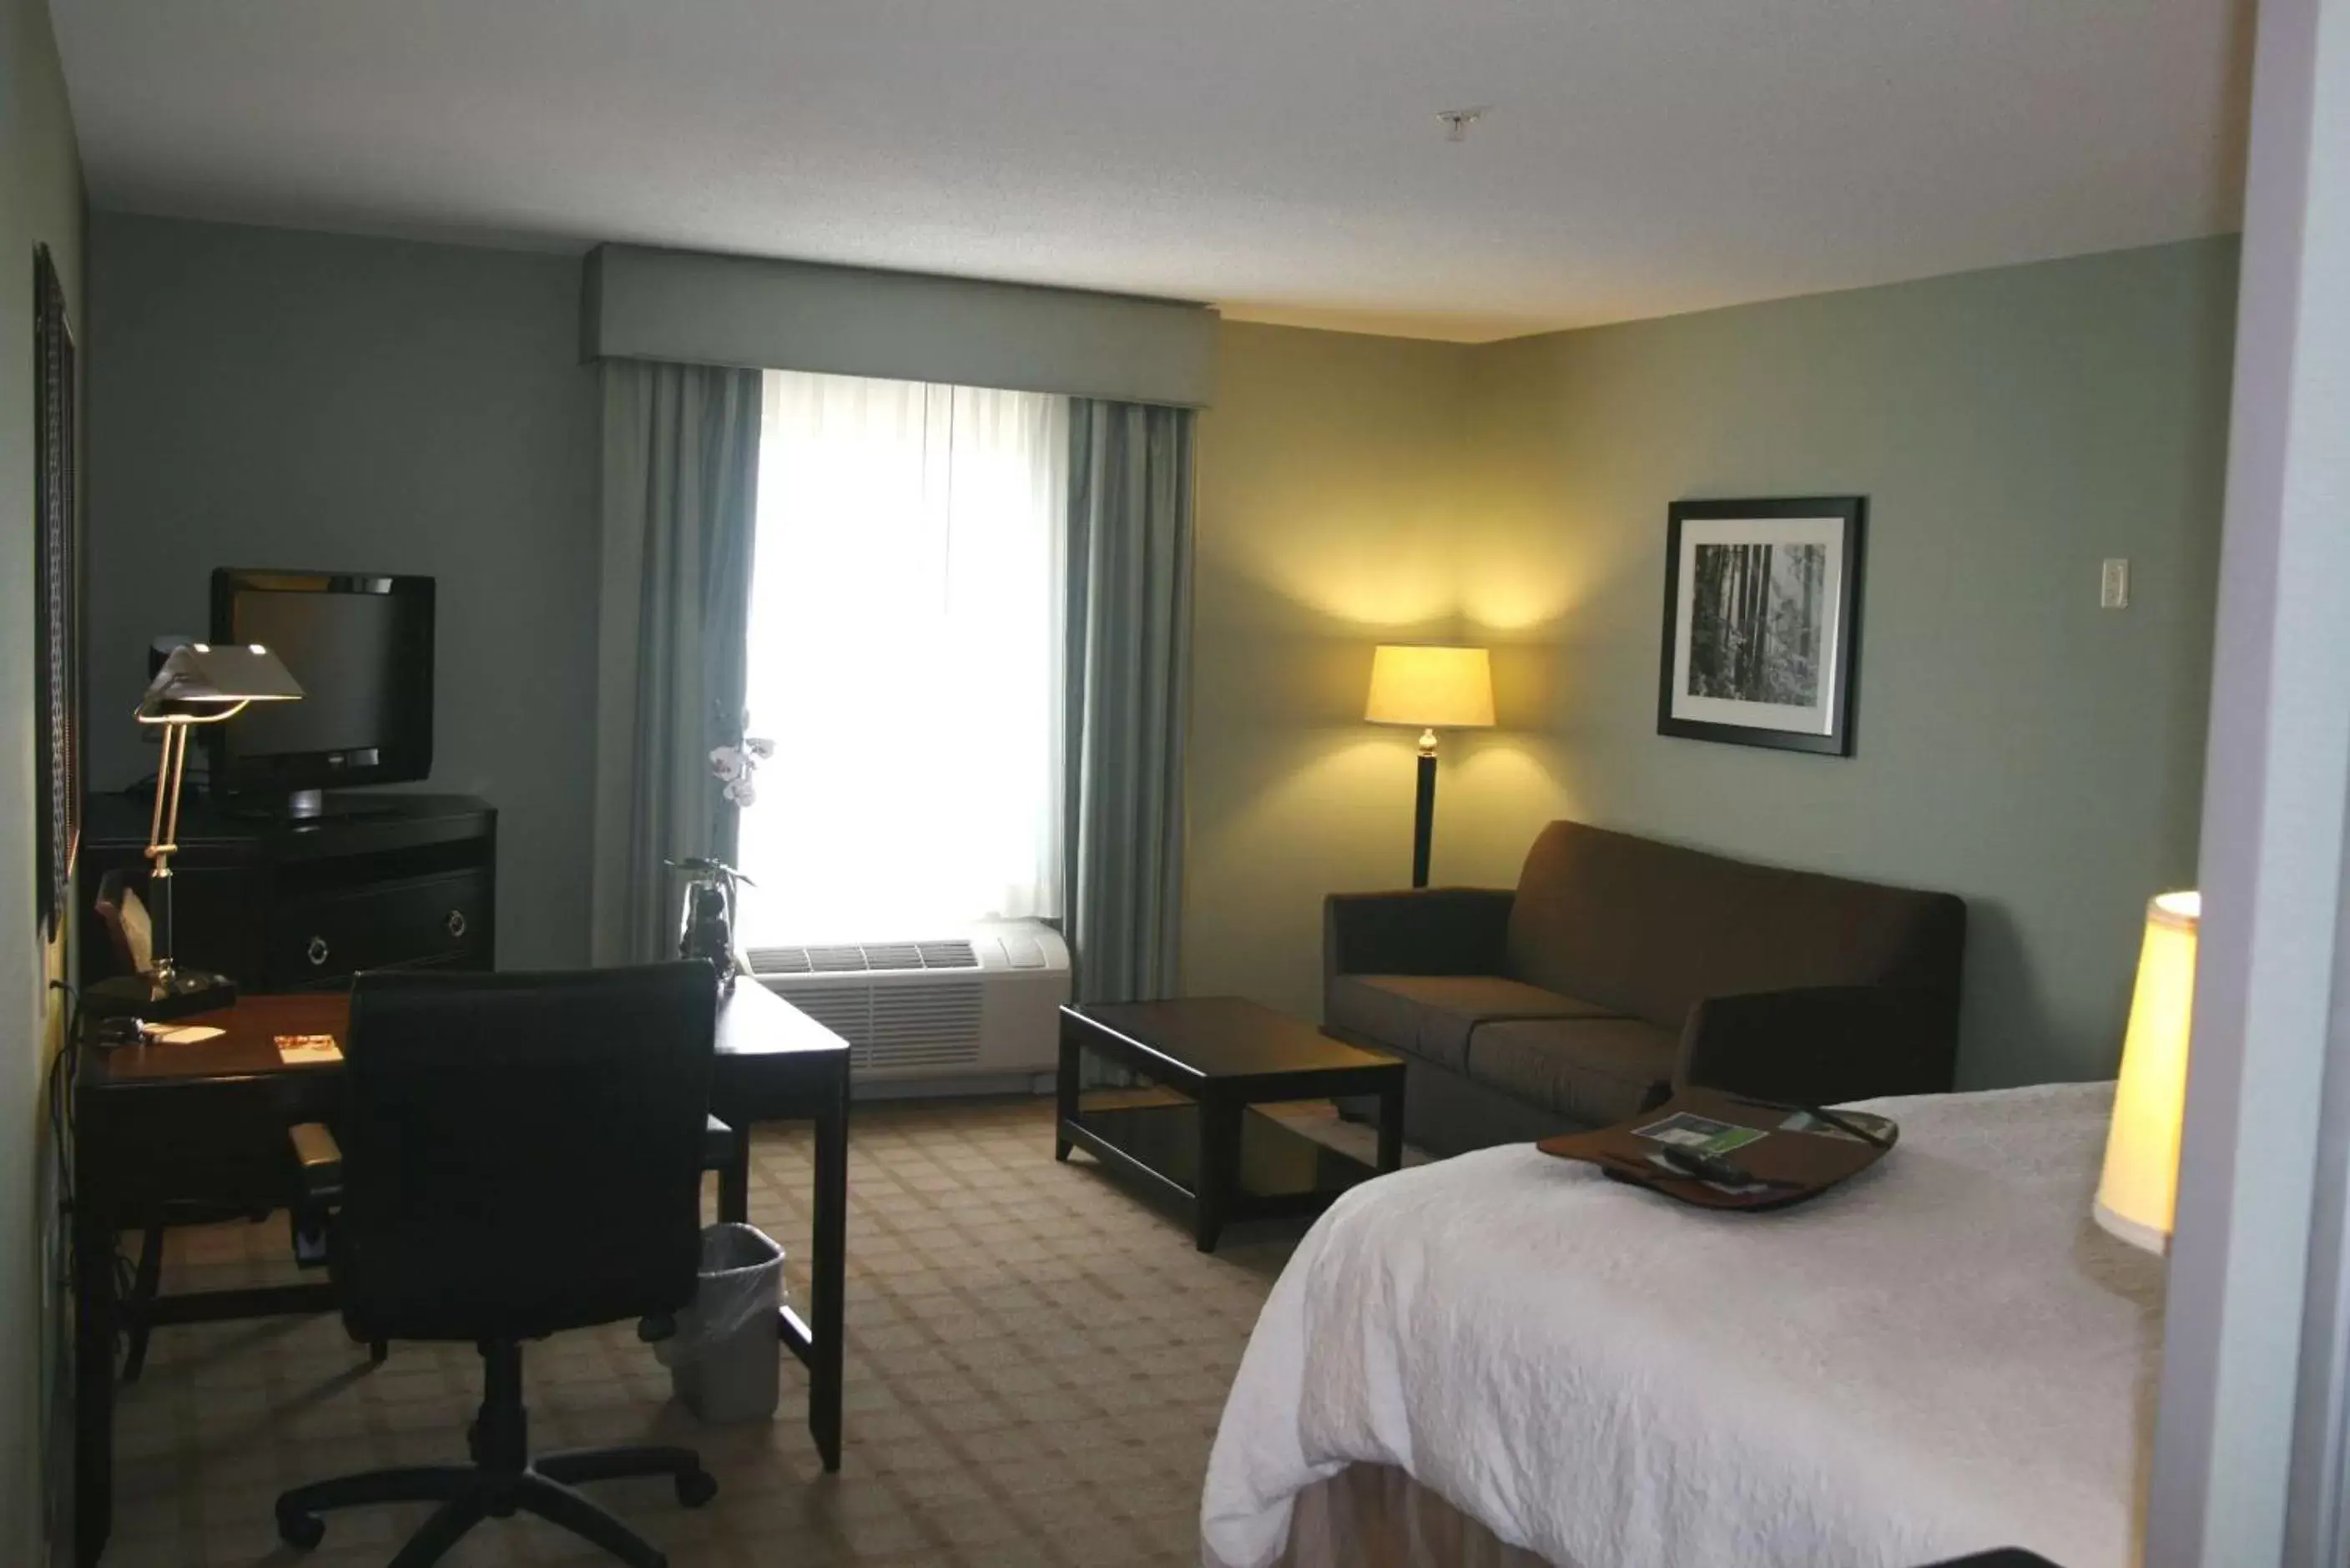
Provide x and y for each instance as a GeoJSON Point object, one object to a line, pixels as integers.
{"type": "Point", "coordinates": [1430, 687]}
{"type": "Point", "coordinates": [2140, 1190]}
{"type": "Point", "coordinates": [206, 681]}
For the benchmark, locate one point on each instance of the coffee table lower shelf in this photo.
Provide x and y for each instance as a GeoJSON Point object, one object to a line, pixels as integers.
{"type": "Point", "coordinates": [1278, 1173]}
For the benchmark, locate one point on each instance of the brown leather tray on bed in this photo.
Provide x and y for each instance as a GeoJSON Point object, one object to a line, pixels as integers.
{"type": "Point", "coordinates": [1800, 1152]}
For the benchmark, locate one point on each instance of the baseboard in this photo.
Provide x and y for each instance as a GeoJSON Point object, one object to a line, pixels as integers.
{"type": "Point", "coordinates": [968, 1086]}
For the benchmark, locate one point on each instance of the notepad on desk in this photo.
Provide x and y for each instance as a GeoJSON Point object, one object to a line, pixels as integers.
{"type": "Point", "coordinates": [307, 1050]}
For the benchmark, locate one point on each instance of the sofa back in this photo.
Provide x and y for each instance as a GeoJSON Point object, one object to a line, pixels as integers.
{"type": "Point", "coordinates": [1651, 929]}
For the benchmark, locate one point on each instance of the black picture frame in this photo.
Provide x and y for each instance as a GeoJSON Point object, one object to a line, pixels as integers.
{"type": "Point", "coordinates": [1838, 526]}
{"type": "Point", "coordinates": [58, 590]}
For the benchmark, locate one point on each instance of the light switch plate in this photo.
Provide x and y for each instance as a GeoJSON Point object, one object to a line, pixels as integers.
{"type": "Point", "coordinates": [2113, 583]}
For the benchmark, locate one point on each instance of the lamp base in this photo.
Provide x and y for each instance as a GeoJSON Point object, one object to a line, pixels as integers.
{"type": "Point", "coordinates": [152, 996]}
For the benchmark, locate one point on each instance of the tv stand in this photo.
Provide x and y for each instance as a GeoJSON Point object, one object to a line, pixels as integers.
{"type": "Point", "coordinates": [278, 903]}
{"type": "Point", "coordinates": [311, 805]}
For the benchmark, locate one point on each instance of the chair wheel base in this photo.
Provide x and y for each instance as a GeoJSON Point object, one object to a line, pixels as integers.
{"type": "Point", "coordinates": [302, 1531]}
{"type": "Point", "coordinates": [696, 1489]}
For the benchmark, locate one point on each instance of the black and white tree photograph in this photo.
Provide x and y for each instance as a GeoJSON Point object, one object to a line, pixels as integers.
{"type": "Point", "coordinates": [1761, 604]}
{"type": "Point", "coordinates": [1754, 628]}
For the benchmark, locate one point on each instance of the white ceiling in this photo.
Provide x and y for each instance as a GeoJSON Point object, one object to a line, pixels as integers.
{"type": "Point", "coordinates": [1281, 157]}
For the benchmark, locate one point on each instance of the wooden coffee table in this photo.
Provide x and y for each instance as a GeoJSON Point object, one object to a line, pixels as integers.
{"type": "Point", "coordinates": [1207, 1060]}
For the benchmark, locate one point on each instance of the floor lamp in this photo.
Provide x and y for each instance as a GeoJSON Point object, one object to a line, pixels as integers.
{"type": "Point", "coordinates": [199, 683]}
{"type": "Point", "coordinates": [1429, 689]}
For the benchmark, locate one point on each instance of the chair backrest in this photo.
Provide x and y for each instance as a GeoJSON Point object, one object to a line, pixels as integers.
{"type": "Point", "coordinates": [523, 1152]}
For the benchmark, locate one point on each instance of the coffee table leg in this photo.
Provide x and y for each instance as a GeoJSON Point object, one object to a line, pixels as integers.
{"type": "Point", "coordinates": [1066, 1107]}
{"type": "Point", "coordinates": [1391, 1126]}
{"type": "Point", "coordinates": [1220, 1159]}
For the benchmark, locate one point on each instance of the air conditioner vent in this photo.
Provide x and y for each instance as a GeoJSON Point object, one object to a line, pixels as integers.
{"type": "Point", "coordinates": [846, 1011]}
{"type": "Point", "coordinates": [922, 1024]}
{"type": "Point", "coordinates": [863, 958]}
{"type": "Point", "coordinates": [977, 1008]}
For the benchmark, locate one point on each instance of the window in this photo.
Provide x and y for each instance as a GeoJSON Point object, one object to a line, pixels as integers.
{"type": "Point", "coordinates": [906, 652]}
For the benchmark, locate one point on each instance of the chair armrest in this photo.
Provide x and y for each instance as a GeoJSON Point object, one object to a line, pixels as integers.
{"type": "Point", "coordinates": [1821, 1045]}
{"type": "Point", "coordinates": [321, 1160]}
{"type": "Point", "coordinates": [1429, 930]}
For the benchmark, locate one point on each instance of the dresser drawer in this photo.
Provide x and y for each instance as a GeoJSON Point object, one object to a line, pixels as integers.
{"type": "Point", "coordinates": [325, 938]}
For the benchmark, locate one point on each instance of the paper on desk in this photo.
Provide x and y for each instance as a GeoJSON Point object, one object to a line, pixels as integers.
{"type": "Point", "coordinates": [186, 1035]}
{"type": "Point", "coordinates": [304, 1050]}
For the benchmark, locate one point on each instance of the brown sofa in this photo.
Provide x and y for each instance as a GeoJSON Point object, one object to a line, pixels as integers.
{"type": "Point", "coordinates": [1621, 969]}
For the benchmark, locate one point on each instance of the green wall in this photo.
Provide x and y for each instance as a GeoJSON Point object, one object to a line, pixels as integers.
{"type": "Point", "coordinates": [2015, 744]}
{"type": "Point", "coordinates": [40, 203]}
{"type": "Point", "coordinates": [273, 395]}
{"type": "Point", "coordinates": [269, 397]}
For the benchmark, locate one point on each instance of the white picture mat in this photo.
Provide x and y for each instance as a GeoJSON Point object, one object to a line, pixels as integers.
{"type": "Point", "coordinates": [1819, 719]}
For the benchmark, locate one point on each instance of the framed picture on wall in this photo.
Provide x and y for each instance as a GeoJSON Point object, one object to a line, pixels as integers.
{"type": "Point", "coordinates": [57, 593]}
{"type": "Point", "coordinates": [1762, 622]}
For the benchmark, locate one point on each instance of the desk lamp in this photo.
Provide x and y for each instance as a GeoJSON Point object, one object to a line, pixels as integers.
{"type": "Point", "coordinates": [199, 683]}
{"type": "Point", "coordinates": [2139, 1190]}
{"type": "Point", "coordinates": [1432, 689]}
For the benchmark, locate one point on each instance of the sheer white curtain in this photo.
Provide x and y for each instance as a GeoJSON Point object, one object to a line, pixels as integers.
{"type": "Point", "coordinates": [907, 641]}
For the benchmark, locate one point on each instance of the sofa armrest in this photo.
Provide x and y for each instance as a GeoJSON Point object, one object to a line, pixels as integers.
{"type": "Point", "coordinates": [1429, 930]}
{"type": "Point", "coordinates": [1821, 1045]}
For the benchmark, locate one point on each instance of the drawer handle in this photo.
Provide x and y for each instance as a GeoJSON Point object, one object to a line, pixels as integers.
{"type": "Point", "coordinates": [456, 922]}
{"type": "Point", "coordinates": [317, 951]}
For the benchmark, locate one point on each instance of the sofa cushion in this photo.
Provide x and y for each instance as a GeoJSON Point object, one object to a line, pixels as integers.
{"type": "Point", "coordinates": [1591, 1071]}
{"type": "Point", "coordinates": [1650, 929]}
{"type": "Point", "coordinates": [1432, 1015]}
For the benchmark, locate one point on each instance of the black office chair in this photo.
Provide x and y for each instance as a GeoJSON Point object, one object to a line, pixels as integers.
{"type": "Point", "coordinates": [518, 1154]}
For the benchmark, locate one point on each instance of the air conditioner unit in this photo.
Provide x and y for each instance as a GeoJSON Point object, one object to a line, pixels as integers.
{"type": "Point", "coordinates": [970, 1013]}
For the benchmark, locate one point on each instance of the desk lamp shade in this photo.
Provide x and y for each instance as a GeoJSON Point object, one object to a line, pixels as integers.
{"type": "Point", "coordinates": [203, 683]}
{"type": "Point", "coordinates": [1431, 689]}
{"type": "Point", "coordinates": [2140, 1186]}
{"type": "Point", "coordinates": [198, 683]}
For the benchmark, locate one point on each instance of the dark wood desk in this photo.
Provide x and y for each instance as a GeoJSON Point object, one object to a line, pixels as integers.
{"type": "Point", "coordinates": [153, 1124]}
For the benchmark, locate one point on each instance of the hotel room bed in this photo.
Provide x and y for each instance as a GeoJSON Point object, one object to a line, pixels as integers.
{"type": "Point", "coordinates": [1505, 1358]}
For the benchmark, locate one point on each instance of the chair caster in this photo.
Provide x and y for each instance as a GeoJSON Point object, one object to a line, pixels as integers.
{"type": "Point", "coordinates": [302, 1531]}
{"type": "Point", "coordinates": [696, 1488]}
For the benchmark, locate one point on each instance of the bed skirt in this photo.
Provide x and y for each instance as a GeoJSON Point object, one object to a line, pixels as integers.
{"type": "Point", "coordinates": [1376, 1516]}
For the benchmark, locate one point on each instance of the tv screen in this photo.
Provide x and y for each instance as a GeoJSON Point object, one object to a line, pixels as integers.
{"type": "Point", "coordinates": [361, 646]}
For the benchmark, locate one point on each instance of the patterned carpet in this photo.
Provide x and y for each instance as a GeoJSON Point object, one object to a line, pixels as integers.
{"type": "Point", "coordinates": [1037, 1364]}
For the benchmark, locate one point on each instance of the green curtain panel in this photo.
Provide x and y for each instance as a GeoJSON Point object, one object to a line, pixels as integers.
{"type": "Point", "coordinates": [679, 490]}
{"type": "Point", "coordinates": [1128, 692]}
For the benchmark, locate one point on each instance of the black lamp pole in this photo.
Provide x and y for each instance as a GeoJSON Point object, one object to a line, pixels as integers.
{"type": "Point", "coordinates": [1423, 810]}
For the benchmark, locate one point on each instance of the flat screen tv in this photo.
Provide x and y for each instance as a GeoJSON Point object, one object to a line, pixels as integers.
{"type": "Point", "coordinates": [362, 646]}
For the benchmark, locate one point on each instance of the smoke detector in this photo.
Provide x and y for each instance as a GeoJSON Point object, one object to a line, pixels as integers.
{"type": "Point", "coordinates": [1457, 121]}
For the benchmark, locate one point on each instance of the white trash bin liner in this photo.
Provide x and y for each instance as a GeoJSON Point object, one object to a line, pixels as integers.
{"type": "Point", "coordinates": [725, 1358]}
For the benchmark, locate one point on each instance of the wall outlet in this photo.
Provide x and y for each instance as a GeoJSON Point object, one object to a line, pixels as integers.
{"type": "Point", "coordinates": [2113, 583]}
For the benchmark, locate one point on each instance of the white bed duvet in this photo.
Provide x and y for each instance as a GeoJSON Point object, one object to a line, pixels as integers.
{"type": "Point", "coordinates": [1943, 1356]}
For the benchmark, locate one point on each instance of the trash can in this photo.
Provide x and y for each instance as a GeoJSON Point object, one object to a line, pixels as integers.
{"type": "Point", "coordinates": [725, 1359]}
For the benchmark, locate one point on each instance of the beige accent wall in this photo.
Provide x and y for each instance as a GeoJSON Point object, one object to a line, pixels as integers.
{"type": "Point", "coordinates": [1330, 496]}
{"type": "Point", "coordinates": [2015, 744]}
